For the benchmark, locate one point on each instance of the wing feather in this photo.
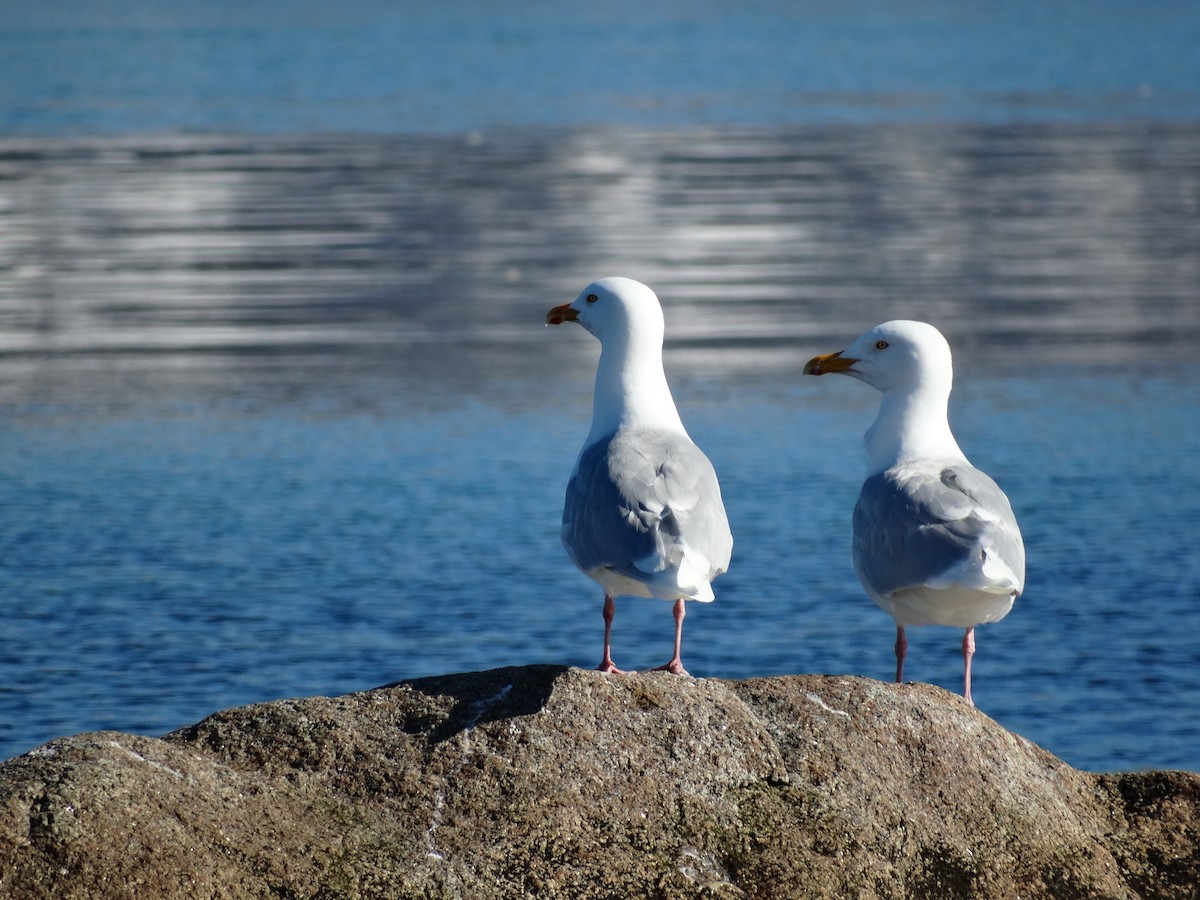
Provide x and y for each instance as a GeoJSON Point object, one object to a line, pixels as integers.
{"type": "Point", "coordinates": [645, 502]}
{"type": "Point", "coordinates": [936, 527]}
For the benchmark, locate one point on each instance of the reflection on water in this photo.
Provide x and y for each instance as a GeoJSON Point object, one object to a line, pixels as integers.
{"type": "Point", "coordinates": [1076, 240]}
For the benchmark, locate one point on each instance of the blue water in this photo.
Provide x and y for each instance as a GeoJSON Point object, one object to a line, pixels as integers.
{"type": "Point", "coordinates": [405, 67]}
{"type": "Point", "coordinates": [278, 415]}
{"type": "Point", "coordinates": [169, 558]}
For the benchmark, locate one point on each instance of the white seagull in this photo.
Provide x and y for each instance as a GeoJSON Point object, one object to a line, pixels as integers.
{"type": "Point", "coordinates": [935, 539]}
{"type": "Point", "coordinates": [643, 514]}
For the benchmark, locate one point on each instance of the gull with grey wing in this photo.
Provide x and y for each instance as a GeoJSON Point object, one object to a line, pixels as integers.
{"type": "Point", "coordinates": [935, 539]}
{"type": "Point", "coordinates": [643, 514]}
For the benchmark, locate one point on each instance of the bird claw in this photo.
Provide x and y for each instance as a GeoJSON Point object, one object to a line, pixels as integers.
{"type": "Point", "coordinates": [675, 667]}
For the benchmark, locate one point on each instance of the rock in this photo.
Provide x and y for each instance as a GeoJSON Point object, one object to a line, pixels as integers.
{"type": "Point", "coordinates": [545, 781]}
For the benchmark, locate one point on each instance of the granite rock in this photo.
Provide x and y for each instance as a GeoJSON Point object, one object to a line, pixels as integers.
{"type": "Point", "coordinates": [545, 781]}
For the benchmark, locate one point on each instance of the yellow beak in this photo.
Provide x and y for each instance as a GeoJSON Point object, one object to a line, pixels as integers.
{"type": "Point", "coordinates": [830, 362]}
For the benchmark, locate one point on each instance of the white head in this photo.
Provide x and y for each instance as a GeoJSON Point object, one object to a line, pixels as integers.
{"type": "Point", "coordinates": [895, 356]}
{"type": "Point", "coordinates": [631, 388]}
{"type": "Point", "coordinates": [909, 362]}
{"type": "Point", "coordinates": [615, 310]}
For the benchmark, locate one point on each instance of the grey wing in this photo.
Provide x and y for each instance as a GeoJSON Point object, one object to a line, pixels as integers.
{"type": "Point", "coordinates": [638, 499]}
{"type": "Point", "coordinates": [596, 530]}
{"type": "Point", "coordinates": [913, 527]}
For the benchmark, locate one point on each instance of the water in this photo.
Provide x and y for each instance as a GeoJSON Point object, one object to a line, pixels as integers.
{"type": "Point", "coordinates": [278, 415]}
{"type": "Point", "coordinates": [374, 66]}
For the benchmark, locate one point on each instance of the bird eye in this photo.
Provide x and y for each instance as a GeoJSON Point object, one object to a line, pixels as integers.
{"type": "Point", "coordinates": [881, 345]}
{"type": "Point", "coordinates": [592, 298]}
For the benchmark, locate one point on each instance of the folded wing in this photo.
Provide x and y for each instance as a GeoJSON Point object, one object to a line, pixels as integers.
{"type": "Point", "coordinates": [937, 527]}
{"type": "Point", "coordinates": [647, 505]}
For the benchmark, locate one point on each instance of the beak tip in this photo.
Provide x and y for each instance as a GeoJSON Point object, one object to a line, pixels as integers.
{"type": "Point", "coordinates": [560, 314]}
{"type": "Point", "coordinates": [830, 362]}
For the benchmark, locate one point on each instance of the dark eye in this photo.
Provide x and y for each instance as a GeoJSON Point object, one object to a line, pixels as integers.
{"type": "Point", "coordinates": [592, 298]}
{"type": "Point", "coordinates": [881, 345]}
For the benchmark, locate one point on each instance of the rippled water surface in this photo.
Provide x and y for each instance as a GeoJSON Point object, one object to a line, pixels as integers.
{"type": "Point", "coordinates": [279, 416]}
{"type": "Point", "coordinates": [1077, 238]}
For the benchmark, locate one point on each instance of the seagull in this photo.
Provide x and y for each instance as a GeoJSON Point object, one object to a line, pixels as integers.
{"type": "Point", "coordinates": [643, 515]}
{"type": "Point", "coordinates": [935, 539]}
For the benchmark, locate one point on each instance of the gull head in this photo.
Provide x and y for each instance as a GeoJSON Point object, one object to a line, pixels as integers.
{"type": "Point", "coordinates": [614, 308]}
{"type": "Point", "coordinates": [899, 355]}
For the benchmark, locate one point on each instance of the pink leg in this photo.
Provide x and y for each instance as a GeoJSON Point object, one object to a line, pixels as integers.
{"type": "Point", "coordinates": [676, 664]}
{"type": "Point", "coordinates": [968, 652]}
{"type": "Point", "coordinates": [606, 664]}
{"type": "Point", "coordinates": [901, 652]}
